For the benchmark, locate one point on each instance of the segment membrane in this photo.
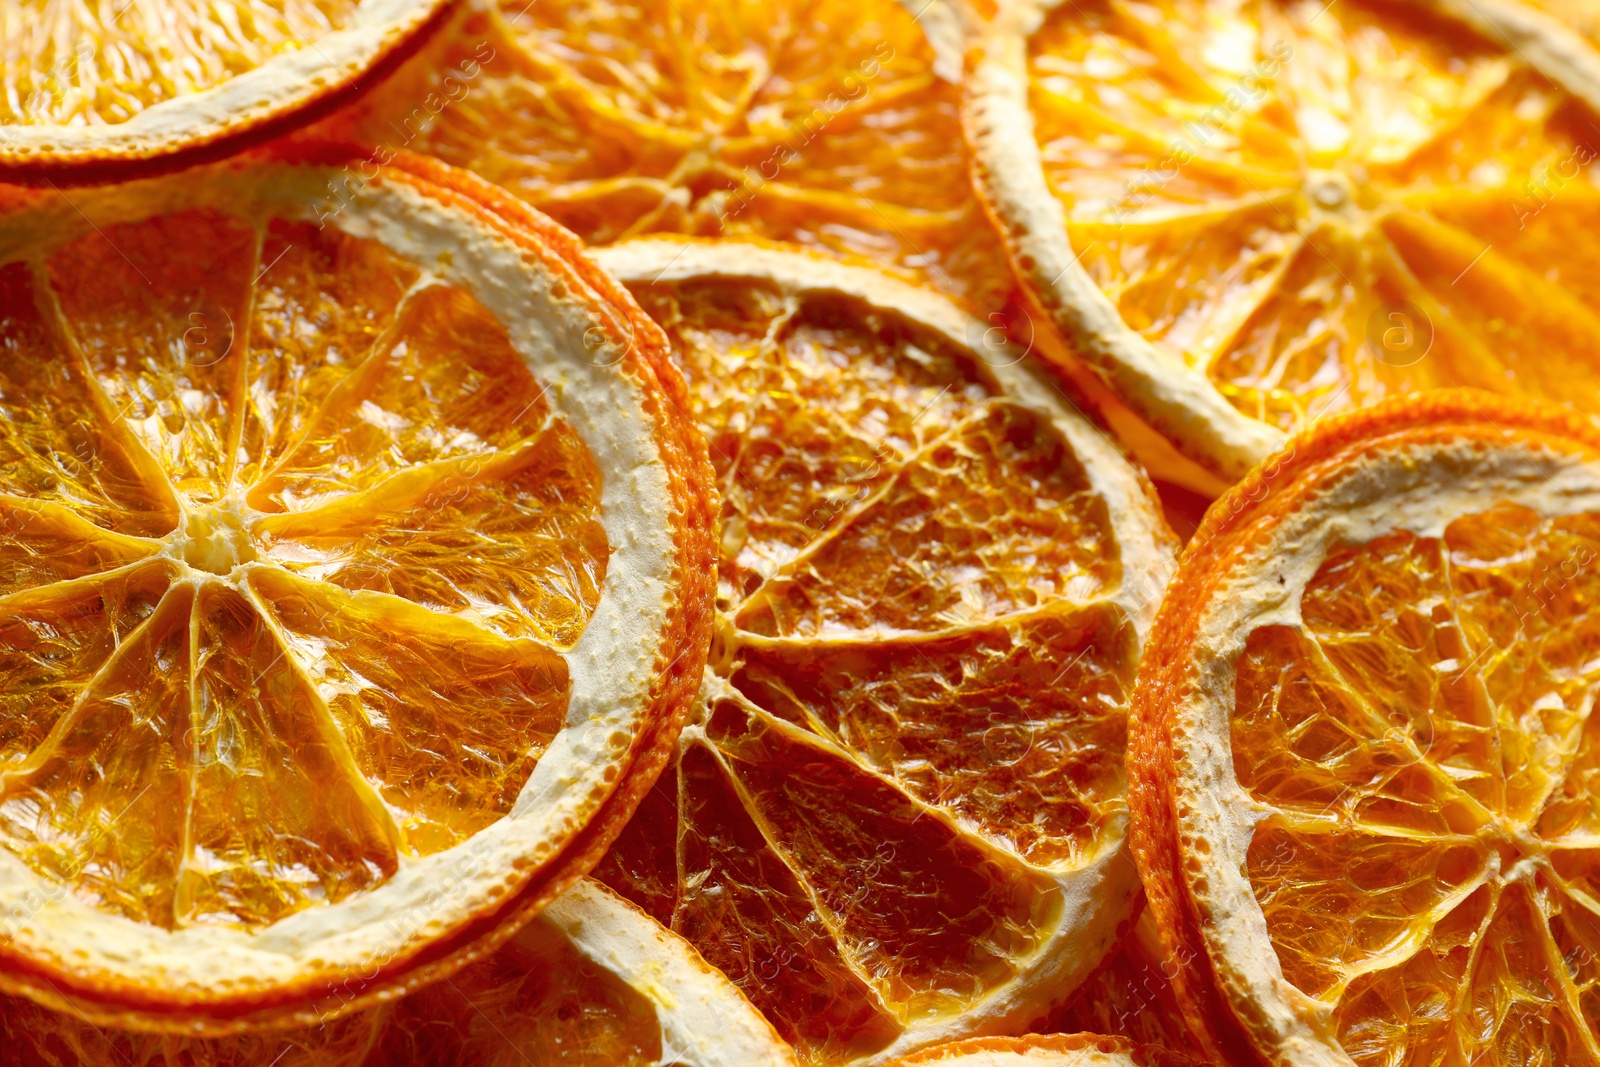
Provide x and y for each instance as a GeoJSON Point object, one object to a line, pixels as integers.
{"type": "Point", "coordinates": [1016, 730]}
{"type": "Point", "coordinates": [100, 805]}
{"type": "Point", "coordinates": [158, 309]}
{"type": "Point", "coordinates": [279, 821]}
{"type": "Point", "coordinates": [513, 542]}
{"type": "Point", "coordinates": [444, 720]}
{"type": "Point", "coordinates": [57, 441]}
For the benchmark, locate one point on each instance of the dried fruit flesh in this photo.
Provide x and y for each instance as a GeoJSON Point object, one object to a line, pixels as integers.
{"type": "Point", "coordinates": [930, 590]}
{"type": "Point", "coordinates": [1403, 612]}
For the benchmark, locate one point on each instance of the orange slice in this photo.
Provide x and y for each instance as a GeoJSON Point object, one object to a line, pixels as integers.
{"type": "Point", "coordinates": [354, 582]}
{"type": "Point", "coordinates": [1248, 215]}
{"type": "Point", "coordinates": [1058, 1050]}
{"type": "Point", "coordinates": [832, 125]}
{"type": "Point", "coordinates": [97, 91]}
{"type": "Point", "coordinates": [590, 982]}
{"type": "Point", "coordinates": [1362, 755]}
{"type": "Point", "coordinates": [897, 813]}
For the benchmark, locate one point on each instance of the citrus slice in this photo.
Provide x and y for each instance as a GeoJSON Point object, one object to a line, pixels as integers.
{"type": "Point", "coordinates": [832, 125]}
{"type": "Point", "coordinates": [96, 91]}
{"type": "Point", "coordinates": [897, 813]}
{"type": "Point", "coordinates": [1362, 755]}
{"type": "Point", "coordinates": [590, 982]}
{"type": "Point", "coordinates": [1248, 215]}
{"type": "Point", "coordinates": [1056, 1050]}
{"type": "Point", "coordinates": [355, 580]}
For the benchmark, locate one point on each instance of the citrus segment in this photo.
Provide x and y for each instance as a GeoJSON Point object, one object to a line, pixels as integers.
{"type": "Point", "coordinates": [591, 982]}
{"type": "Point", "coordinates": [896, 813]}
{"type": "Point", "coordinates": [832, 125]}
{"type": "Point", "coordinates": [344, 649]}
{"type": "Point", "coordinates": [98, 91]}
{"type": "Point", "coordinates": [1333, 205]}
{"type": "Point", "coordinates": [114, 752]}
{"type": "Point", "coordinates": [1382, 792]}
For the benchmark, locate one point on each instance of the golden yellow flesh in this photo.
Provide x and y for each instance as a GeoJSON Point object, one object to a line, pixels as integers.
{"type": "Point", "coordinates": [1322, 205]}
{"type": "Point", "coordinates": [821, 124]}
{"type": "Point", "coordinates": [101, 62]}
{"type": "Point", "coordinates": [918, 686]}
{"type": "Point", "coordinates": [1431, 872]}
{"type": "Point", "coordinates": [292, 545]}
{"type": "Point", "coordinates": [535, 1003]}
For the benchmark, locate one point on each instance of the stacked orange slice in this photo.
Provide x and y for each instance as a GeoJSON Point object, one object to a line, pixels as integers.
{"type": "Point", "coordinates": [1363, 756]}
{"type": "Point", "coordinates": [832, 125]}
{"type": "Point", "coordinates": [94, 92]}
{"type": "Point", "coordinates": [897, 814]}
{"type": "Point", "coordinates": [589, 981]}
{"type": "Point", "coordinates": [1061, 1050]}
{"type": "Point", "coordinates": [356, 578]}
{"type": "Point", "coordinates": [1246, 216]}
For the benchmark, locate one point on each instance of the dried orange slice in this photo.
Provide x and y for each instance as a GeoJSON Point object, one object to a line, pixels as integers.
{"type": "Point", "coordinates": [832, 125]}
{"type": "Point", "coordinates": [591, 981]}
{"type": "Point", "coordinates": [897, 813]}
{"type": "Point", "coordinates": [1362, 755]}
{"type": "Point", "coordinates": [1057, 1050]}
{"type": "Point", "coordinates": [354, 582]}
{"type": "Point", "coordinates": [94, 91]}
{"type": "Point", "coordinates": [1248, 215]}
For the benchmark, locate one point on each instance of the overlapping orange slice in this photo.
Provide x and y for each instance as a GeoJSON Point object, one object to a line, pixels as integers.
{"type": "Point", "coordinates": [98, 91]}
{"type": "Point", "coordinates": [354, 579]}
{"type": "Point", "coordinates": [1363, 750]}
{"type": "Point", "coordinates": [1057, 1050]}
{"type": "Point", "coordinates": [832, 125]}
{"type": "Point", "coordinates": [590, 982]}
{"type": "Point", "coordinates": [897, 813]}
{"type": "Point", "coordinates": [1248, 215]}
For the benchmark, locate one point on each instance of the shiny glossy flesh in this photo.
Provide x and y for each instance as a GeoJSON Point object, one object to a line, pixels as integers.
{"type": "Point", "coordinates": [1322, 205]}
{"type": "Point", "coordinates": [98, 64]}
{"type": "Point", "coordinates": [535, 1003]}
{"type": "Point", "coordinates": [915, 711]}
{"type": "Point", "coordinates": [1429, 869]}
{"type": "Point", "coordinates": [821, 124]}
{"type": "Point", "coordinates": [292, 546]}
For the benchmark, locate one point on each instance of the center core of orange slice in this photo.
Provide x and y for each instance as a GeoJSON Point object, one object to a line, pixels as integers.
{"type": "Point", "coordinates": [213, 538]}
